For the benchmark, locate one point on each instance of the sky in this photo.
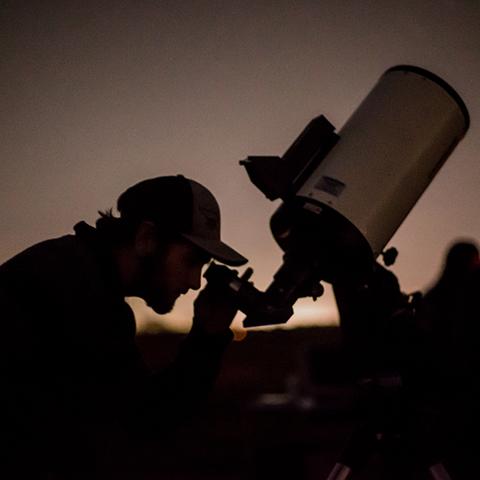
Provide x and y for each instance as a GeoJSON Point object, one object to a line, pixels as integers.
{"type": "Point", "coordinates": [98, 95]}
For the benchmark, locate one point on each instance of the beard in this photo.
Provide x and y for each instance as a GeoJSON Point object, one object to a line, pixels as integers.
{"type": "Point", "coordinates": [160, 305]}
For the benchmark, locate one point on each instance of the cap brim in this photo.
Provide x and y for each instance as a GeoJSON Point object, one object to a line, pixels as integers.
{"type": "Point", "coordinates": [218, 250]}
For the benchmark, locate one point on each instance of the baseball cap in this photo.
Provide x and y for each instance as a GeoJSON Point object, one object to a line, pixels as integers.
{"type": "Point", "coordinates": [181, 205]}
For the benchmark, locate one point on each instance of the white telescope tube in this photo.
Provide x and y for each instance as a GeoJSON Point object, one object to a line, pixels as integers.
{"type": "Point", "coordinates": [389, 151]}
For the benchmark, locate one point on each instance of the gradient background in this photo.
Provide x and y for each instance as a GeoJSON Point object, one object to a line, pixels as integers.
{"type": "Point", "coordinates": [96, 96]}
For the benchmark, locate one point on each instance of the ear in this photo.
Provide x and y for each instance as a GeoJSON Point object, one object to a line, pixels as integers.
{"type": "Point", "coordinates": [145, 241]}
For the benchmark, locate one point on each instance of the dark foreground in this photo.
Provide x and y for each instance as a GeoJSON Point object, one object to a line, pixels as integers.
{"type": "Point", "coordinates": [285, 406]}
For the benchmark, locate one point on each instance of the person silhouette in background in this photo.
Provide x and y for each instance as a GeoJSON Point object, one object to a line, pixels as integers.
{"type": "Point", "coordinates": [446, 376]}
{"type": "Point", "coordinates": [445, 317]}
{"type": "Point", "coordinates": [76, 394]}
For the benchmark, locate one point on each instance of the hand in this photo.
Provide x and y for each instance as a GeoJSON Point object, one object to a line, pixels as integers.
{"type": "Point", "coordinates": [214, 310]}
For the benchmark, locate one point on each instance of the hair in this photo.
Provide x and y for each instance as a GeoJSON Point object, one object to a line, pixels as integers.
{"type": "Point", "coordinates": [115, 230]}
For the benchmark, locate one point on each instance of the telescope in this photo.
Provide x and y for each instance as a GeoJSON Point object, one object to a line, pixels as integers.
{"type": "Point", "coordinates": [345, 194]}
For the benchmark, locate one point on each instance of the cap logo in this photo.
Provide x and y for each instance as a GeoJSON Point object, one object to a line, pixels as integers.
{"type": "Point", "coordinates": [210, 217]}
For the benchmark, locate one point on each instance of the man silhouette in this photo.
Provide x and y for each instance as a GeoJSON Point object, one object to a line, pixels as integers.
{"type": "Point", "coordinates": [77, 395]}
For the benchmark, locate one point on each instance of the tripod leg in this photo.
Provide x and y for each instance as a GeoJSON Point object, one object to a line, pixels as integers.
{"type": "Point", "coordinates": [439, 472]}
{"type": "Point", "coordinates": [339, 472]}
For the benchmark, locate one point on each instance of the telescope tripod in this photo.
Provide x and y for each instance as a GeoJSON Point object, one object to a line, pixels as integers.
{"type": "Point", "coordinates": [394, 433]}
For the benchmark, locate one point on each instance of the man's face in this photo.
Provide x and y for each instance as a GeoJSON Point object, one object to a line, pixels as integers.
{"type": "Point", "coordinates": [169, 273]}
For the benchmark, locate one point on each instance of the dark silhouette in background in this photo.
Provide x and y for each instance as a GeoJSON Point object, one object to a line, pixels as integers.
{"type": "Point", "coordinates": [447, 373]}
{"type": "Point", "coordinates": [76, 393]}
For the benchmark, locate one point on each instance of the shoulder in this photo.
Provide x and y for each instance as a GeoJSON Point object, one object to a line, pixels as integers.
{"type": "Point", "coordinates": [48, 261]}
{"type": "Point", "coordinates": [39, 259]}
{"type": "Point", "coordinates": [65, 270]}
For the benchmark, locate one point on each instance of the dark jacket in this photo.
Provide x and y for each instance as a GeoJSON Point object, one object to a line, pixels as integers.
{"type": "Point", "coordinates": [76, 393]}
